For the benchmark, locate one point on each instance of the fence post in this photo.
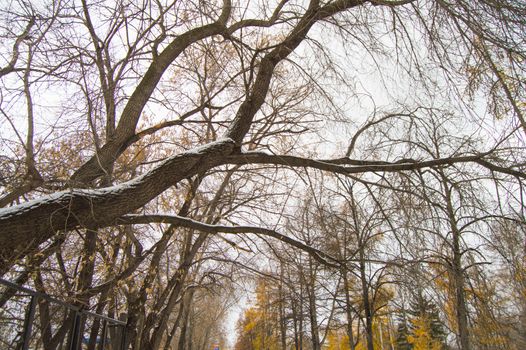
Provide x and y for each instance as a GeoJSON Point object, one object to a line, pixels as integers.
{"type": "Point", "coordinates": [75, 342]}
{"type": "Point", "coordinates": [103, 335]}
{"type": "Point", "coordinates": [124, 317]}
{"type": "Point", "coordinates": [28, 323]}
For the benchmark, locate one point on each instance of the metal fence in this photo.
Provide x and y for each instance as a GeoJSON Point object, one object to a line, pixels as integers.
{"type": "Point", "coordinates": [24, 325]}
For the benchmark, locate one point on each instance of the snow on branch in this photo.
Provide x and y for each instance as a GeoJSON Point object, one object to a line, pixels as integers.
{"type": "Point", "coordinates": [320, 256]}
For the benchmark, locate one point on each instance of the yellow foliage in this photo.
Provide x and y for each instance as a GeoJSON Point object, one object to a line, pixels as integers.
{"type": "Point", "coordinates": [259, 328]}
{"type": "Point", "coordinates": [337, 340]}
{"type": "Point", "coordinates": [421, 336]}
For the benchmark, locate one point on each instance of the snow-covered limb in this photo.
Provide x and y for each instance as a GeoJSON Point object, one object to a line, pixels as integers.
{"type": "Point", "coordinates": [25, 226]}
{"type": "Point", "coordinates": [317, 254]}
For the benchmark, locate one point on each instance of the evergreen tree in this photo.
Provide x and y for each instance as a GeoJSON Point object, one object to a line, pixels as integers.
{"type": "Point", "coordinates": [425, 326]}
{"type": "Point", "coordinates": [402, 334]}
{"type": "Point", "coordinates": [423, 307]}
{"type": "Point", "coordinates": [420, 327]}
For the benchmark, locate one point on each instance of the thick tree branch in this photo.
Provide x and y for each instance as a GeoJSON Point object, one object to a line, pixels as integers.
{"type": "Point", "coordinates": [347, 166]}
{"type": "Point", "coordinates": [100, 162]}
{"type": "Point", "coordinates": [255, 99]}
{"type": "Point", "coordinates": [320, 256]}
{"type": "Point", "coordinates": [25, 226]}
{"type": "Point", "coordinates": [16, 49]}
{"type": "Point", "coordinates": [125, 131]}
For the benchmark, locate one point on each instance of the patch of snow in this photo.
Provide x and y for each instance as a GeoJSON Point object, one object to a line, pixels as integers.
{"type": "Point", "coordinates": [201, 149]}
{"type": "Point", "coordinates": [34, 203]}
